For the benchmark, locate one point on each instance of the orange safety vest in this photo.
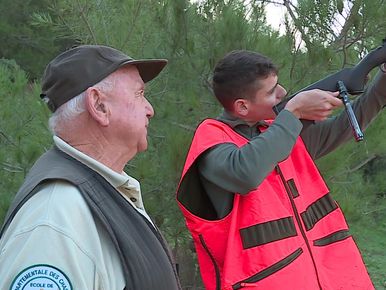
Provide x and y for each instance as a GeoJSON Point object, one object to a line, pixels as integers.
{"type": "Point", "coordinates": [288, 233]}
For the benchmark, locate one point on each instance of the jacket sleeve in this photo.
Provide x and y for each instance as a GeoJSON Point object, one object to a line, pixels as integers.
{"type": "Point", "coordinates": [55, 229]}
{"type": "Point", "coordinates": [238, 170]}
{"type": "Point", "coordinates": [45, 245]}
{"type": "Point", "coordinates": [323, 137]}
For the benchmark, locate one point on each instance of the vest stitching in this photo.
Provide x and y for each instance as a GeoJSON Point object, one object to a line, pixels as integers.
{"type": "Point", "coordinates": [216, 269]}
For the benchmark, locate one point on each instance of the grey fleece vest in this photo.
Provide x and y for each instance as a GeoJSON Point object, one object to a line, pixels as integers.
{"type": "Point", "coordinates": [144, 254]}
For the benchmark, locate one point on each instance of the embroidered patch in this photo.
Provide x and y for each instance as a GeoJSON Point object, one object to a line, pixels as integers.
{"type": "Point", "coordinates": [41, 277]}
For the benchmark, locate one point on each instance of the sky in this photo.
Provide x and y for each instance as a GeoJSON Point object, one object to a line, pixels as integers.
{"type": "Point", "coordinates": [275, 16]}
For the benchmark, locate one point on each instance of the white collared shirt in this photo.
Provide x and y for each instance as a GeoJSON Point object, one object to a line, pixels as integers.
{"type": "Point", "coordinates": [128, 186]}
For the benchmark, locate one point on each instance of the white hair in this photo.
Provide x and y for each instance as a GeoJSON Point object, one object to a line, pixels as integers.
{"type": "Point", "coordinates": [77, 105]}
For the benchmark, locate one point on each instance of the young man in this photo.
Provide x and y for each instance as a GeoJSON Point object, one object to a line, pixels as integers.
{"type": "Point", "coordinates": [259, 212]}
{"type": "Point", "coordinates": [78, 221]}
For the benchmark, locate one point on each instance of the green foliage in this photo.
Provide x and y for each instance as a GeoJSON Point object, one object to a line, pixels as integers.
{"type": "Point", "coordinates": [193, 36]}
{"type": "Point", "coordinates": [369, 233]}
{"type": "Point", "coordinates": [22, 40]}
{"type": "Point", "coordinates": [23, 133]}
{"type": "Point", "coordinates": [317, 17]}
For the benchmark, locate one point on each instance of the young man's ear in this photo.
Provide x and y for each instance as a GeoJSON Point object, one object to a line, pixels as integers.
{"type": "Point", "coordinates": [97, 106]}
{"type": "Point", "coordinates": [240, 107]}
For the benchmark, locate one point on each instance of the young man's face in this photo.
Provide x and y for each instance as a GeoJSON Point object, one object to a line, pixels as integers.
{"type": "Point", "coordinates": [260, 106]}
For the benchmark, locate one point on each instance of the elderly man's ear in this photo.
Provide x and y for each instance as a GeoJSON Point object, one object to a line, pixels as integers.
{"type": "Point", "coordinates": [97, 106]}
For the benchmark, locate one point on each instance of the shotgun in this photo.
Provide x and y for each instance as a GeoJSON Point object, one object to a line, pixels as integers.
{"type": "Point", "coordinates": [354, 80]}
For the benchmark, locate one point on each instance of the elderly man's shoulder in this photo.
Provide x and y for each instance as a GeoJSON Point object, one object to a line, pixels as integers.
{"type": "Point", "coordinates": [55, 228]}
{"type": "Point", "coordinates": [58, 206]}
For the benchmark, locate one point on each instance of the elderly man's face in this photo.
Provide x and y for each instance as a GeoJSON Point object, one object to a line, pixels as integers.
{"type": "Point", "coordinates": [130, 110]}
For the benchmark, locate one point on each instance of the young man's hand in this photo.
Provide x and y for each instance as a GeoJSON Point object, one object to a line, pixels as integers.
{"type": "Point", "coordinates": [314, 104]}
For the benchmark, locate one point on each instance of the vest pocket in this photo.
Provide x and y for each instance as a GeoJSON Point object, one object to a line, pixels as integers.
{"type": "Point", "coordinates": [318, 210]}
{"type": "Point", "coordinates": [268, 271]}
{"type": "Point", "coordinates": [332, 238]}
{"type": "Point", "coordinates": [264, 233]}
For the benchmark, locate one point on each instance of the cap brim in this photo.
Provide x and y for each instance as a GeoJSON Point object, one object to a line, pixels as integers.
{"type": "Point", "coordinates": [147, 68]}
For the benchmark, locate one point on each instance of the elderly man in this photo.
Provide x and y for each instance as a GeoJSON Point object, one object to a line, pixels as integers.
{"type": "Point", "coordinates": [78, 221]}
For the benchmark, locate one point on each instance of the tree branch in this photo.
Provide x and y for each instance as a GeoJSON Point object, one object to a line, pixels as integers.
{"type": "Point", "coordinates": [355, 168]}
{"type": "Point", "coordinates": [342, 39]}
{"type": "Point", "coordinates": [298, 25]}
{"type": "Point", "coordinates": [84, 18]}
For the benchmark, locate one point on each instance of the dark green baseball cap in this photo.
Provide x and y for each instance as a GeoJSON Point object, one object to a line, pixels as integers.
{"type": "Point", "coordinates": [79, 68]}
